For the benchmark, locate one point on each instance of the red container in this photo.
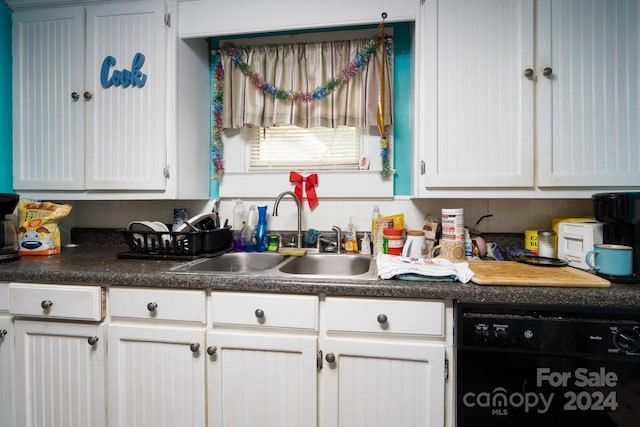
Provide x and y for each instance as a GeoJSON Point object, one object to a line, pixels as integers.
{"type": "Point", "coordinates": [393, 241]}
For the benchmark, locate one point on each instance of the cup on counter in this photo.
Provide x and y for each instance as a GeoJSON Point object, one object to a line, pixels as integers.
{"type": "Point", "coordinates": [414, 244]}
{"type": "Point", "coordinates": [612, 260]}
{"type": "Point", "coordinates": [453, 250]}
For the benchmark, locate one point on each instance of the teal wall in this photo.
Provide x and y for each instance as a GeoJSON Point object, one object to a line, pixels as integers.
{"type": "Point", "coordinates": [402, 81]}
{"type": "Point", "coordinates": [6, 179]}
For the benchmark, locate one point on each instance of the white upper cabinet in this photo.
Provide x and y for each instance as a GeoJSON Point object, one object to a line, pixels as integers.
{"type": "Point", "coordinates": [96, 105]}
{"type": "Point", "coordinates": [589, 103]}
{"type": "Point", "coordinates": [48, 122]}
{"type": "Point", "coordinates": [478, 103]}
{"type": "Point", "coordinates": [527, 99]}
{"type": "Point", "coordinates": [77, 126]}
{"type": "Point", "coordinates": [126, 135]}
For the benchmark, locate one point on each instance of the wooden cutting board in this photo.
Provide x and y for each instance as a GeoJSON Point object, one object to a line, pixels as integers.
{"type": "Point", "coordinates": [514, 273]}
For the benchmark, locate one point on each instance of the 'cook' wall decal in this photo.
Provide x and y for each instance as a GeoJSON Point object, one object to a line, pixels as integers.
{"type": "Point", "coordinates": [125, 78]}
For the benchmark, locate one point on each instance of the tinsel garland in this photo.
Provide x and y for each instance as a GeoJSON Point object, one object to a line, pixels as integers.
{"type": "Point", "coordinates": [350, 70]}
{"type": "Point", "coordinates": [217, 146]}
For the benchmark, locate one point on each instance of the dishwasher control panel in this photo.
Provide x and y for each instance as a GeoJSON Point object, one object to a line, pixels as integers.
{"type": "Point", "coordinates": [549, 331]}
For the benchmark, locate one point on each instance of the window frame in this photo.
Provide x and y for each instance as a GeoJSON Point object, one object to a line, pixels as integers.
{"type": "Point", "coordinates": [368, 182]}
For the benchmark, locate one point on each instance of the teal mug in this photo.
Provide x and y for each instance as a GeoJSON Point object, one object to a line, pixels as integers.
{"type": "Point", "coordinates": [613, 260]}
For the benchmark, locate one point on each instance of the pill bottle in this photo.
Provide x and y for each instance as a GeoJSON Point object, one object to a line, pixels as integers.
{"type": "Point", "coordinates": [546, 243]}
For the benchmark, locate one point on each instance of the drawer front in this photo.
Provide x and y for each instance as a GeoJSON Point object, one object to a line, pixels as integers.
{"type": "Point", "coordinates": [265, 310]}
{"type": "Point", "coordinates": [4, 296]}
{"type": "Point", "coordinates": [385, 316]}
{"type": "Point", "coordinates": [57, 301]}
{"type": "Point", "coordinates": [158, 304]}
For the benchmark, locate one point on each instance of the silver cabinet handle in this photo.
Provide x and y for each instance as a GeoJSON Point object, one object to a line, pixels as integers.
{"type": "Point", "coordinates": [330, 357]}
{"type": "Point", "coordinates": [3, 333]}
{"type": "Point", "coordinates": [259, 313]}
{"type": "Point", "coordinates": [46, 304]}
{"type": "Point", "coordinates": [92, 341]}
{"type": "Point", "coordinates": [194, 347]}
{"type": "Point", "coordinates": [528, 73]}
{"type": "Point", "coordinates": [382, 319]}
{"type": "Point", "coordinates": [212, 350]}
{"type": "Point", "coordinates": [75, 95]}
{"type": "Point", "coordinates": [152, 306]}
{"type": "Point", "coordinates": [547, 71]}
{"type": "Point", "coordinates": [87, 96]}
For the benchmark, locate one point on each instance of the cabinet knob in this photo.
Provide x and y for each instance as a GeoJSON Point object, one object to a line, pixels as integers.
{"type": "Point", "coordinates": [382, 319]}
{"type": "Point", "coordinates": [330, 357]}
{"type": "Point", "coordinates": [87, 96]}
{"type": "Point", "coordinates": [92, 341]}
{"type": "Point", "coordinates": [194, 347]}
{"type": "Point", "coordinates": [547, 71]}
{"type": "Point", "coordinates": [212, 350]}
{"type": "Point", "coordinates": [528, 73]}
{"type": "Point", "coordinates": [46, 304]}
{"type": "Point", "coordinates": [3, 333]}
{"type": "Point", "coordinates": [152, 306]}
{"type": "Point", "coordinates": [259, 313]}
{"type": "Point", "coordinates": [75, 96]}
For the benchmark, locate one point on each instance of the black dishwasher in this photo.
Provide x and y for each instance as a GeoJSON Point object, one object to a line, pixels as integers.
{"type": "Point", "coordinates": [536, 365]}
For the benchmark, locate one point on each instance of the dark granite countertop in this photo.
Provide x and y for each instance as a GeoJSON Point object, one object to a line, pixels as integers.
{"type": "Point", "coordinates": [99, 266]}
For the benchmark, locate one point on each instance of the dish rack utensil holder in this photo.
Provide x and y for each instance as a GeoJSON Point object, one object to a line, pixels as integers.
{"type": "Point", "coordinates": [172, 243]}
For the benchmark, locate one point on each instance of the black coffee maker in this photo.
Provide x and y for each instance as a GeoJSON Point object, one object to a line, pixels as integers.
{"type": "Point", "coordinates": [620, 213]}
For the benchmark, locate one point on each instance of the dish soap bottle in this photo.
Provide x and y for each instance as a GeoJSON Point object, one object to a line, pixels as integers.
{"type": "Point", "coordinates": [262, 238]}
{"type": "Point", "coordinates": [350, 240]}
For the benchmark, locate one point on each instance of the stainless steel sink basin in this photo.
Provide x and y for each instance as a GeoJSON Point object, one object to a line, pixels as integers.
{"type": "Point", "coordinates": [234, 262]}
{"type": "Point", "coordinates": [329, 265]}
{"type": "Point", "coordinates": [311, 266]}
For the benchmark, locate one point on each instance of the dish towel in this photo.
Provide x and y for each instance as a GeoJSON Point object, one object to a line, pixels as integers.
{"type": "Point", "coordinates": [390, 266]}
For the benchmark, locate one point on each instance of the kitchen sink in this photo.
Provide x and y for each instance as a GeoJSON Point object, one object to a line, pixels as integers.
{"type": "Point", "coordinates": [234, 262]}
{"type": "Point", "coordinates": [331, 266]}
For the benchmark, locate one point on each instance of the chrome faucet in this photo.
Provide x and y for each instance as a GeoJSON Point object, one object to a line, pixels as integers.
{"type": "Point", "coordinates": [338, 231]}
{"type": "Point", "coordinates": [298, 205]}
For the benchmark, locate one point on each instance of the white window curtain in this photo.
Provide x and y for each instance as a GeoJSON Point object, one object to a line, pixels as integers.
{"type": "Point", "coordinates": [300, 68]}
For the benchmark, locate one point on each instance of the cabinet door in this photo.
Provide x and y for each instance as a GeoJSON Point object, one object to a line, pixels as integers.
{"type": "Point", "coordinates": [126, 139]}
{"type": "Point", "coordinates": [589, 103]}
{"type": "Point", "coordinates": [59, 374]}
{"type": "Point", "coordinates": [476, 101]}
{"type": "Point", "coordinates": [6, 371]}
{"type": "Point", "coordinates": [264, 379]}
{"type": "Point", "coordinates": [48, 122]}
{"type": "Point", "coordinates": [375, 383]}
{"type": "Point", "coordinates": [155, 379]}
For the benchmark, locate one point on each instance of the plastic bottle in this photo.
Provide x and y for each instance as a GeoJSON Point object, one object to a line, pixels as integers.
{"type": "Point", "coordinates": [239, 214]}
{"type": "Point", "coordinates": [262, 238]}
{"type": "Point", "coordinates": [350, 240]}
{"type": "Point", "coordinates": [249, 229]}
{"type": "Point", "coordinates": [375, 214]}
{"type": "Point", "coordinates": [468, 247]}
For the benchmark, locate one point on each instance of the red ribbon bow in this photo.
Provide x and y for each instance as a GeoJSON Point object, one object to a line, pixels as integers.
{"type": "Point", "coordinates": [309, 185]}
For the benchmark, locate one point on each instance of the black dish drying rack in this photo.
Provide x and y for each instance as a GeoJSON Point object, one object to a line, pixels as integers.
{"type": "Point", "coordinates": [172, 245]}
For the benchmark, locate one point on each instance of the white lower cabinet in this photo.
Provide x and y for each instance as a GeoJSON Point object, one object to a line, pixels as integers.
{"type": "Point", "coordinates": [383, 363]}
{"type": "Point", "coordinates": [59, 364]}
{"type": "Point", "coordinates": [156, 358]}
{"type": "Point", "coordinates": [6, 352]}
{"type": "Point", "coordinates": [262, 360]}
{"type": "Point", "coordinates": [183, 358]}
